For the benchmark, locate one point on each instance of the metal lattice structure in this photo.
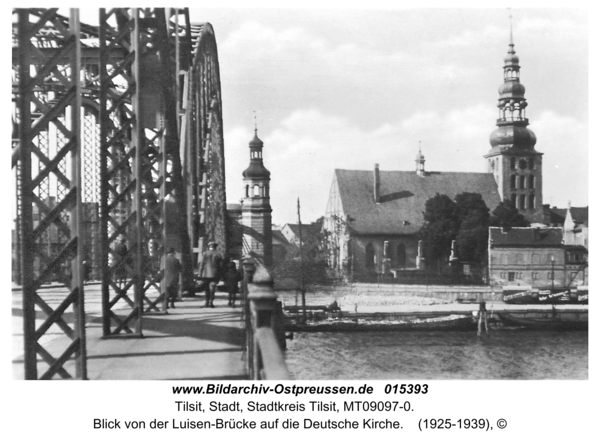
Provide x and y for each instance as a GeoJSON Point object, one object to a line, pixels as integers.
{"type": "Point", "coordinates": [41, 110]}
{"type": "Point", "coordinates": [114, 122]}
{"type": "Point", "coordinates": [204, 148]}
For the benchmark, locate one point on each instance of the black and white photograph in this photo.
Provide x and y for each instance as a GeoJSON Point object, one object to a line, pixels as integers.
{"type": "Point", "coordinates": [377, 194]}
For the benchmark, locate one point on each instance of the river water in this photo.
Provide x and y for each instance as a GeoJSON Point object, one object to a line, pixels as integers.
{"type": "Point", "coordinates": [505, 354]}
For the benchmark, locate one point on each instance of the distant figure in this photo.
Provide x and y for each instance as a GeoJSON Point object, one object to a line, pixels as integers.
{"type": "Point", "coordinates": [87, 270]}
{"type": "Point", "coordinates": [121, 261]}
{"type": "Point", "coordinates": [210, 269]}
{"type": "Point", "coordinates": [355, 308]}
{"type": "Point", "coordinates": [232, 277]}
{"type": "Point", "coordinates": [482, 319]}
{"type": "Point", "coordinates": [172, 271]}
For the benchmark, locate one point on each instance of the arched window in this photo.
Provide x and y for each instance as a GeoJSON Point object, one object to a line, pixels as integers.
{"type": "Point", "coordinates": [522, 201]}
{"type": "Point", "coordinates": [522, 182]}
{"type": "Point", "coordinates": [513, 199]}
{"type": "Point", "coordinates": [401, 255]}
{"type": "Point", "coordinates": [531, 181]}
{"type": "Point", "coordinates": [370, 256]}
{"type": "Point", "coordinates": [247, 190]}
{"type": "Point", "coordinates": [266, 190]}
{"type": "Point", "coordinates": [513, 181]}
{"type": "Point", "coordinates": [531, 201]}
{"type": "Point", "coordinates": [256, 192]}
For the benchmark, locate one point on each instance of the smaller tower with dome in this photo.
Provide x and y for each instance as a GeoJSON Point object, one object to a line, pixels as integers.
{"type": "Point", "coordinates": [256, 207]}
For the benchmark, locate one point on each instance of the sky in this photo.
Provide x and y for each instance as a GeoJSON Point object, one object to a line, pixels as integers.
{"type": "Point", "coordinates": [348, 88]}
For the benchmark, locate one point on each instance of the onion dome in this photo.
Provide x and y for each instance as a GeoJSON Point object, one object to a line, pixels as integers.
{"type": "Point", "coordinates": [256, 142]}
{"type": "Point", "coordinates": [512, 90]}
{"type": "Point", "coordinates": [511, 59]}
{"type": "Point", "coordinates": [420, 156]}
{"type": "Point", "coordinates": [513, 136]}
{"type": "Point", "coordinates": [256, 169]}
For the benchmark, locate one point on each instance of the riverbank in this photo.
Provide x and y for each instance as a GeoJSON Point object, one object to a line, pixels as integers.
{"type": "Point", "coordinates": [454, 316]}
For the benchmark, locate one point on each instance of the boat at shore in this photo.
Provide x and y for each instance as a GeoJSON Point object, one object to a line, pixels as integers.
{"type": "Point", "coordinates": [554, 318]}
{"type": "Point", "coordinates": [384, 323]}
{"type": "Point", "coordinates": [530, 295]}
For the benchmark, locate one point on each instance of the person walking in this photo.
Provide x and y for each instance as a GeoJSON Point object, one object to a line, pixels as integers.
{"type": "Point", "coordinates": [210, 271]}
{"type": "Point", "coordinates": [232, 277]}
{"type": "Point", "coordinates": [172, 271]}
{"type": "Point", "coordinates": [121, 261]}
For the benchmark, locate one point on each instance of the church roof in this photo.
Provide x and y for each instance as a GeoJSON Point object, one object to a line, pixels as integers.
{"type": "Point", "coordinates": [403, 197]}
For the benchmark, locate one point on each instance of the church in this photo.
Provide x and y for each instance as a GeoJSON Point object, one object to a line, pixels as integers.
{"type": "Point", "coordinates": [373, 216]}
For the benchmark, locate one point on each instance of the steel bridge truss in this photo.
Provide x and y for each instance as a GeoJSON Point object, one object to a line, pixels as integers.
{"type": "Point", "coordinates": [111, 132]}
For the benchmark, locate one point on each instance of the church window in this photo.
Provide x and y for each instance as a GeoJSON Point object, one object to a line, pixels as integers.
{"type": "Point", "coordinates": [256, 192]}
{"type": "Point", "coordinates": [522, 201]}
{"type": "Point", "coordinates": [401, 255]}
{"type": "Point", "coordinates": [531, 201]}
{"type": "Point", "coordinates": [531, 181]}
{"type": "Point", "coordinates": [247, 190]}
{"type": "Point", "coordinates": [370, 256]}
{"type": "Point", "coordinates": [266, 190]}
{"type": "Point", "coordinates": [513, 181]}
{"type": "Point", "coordinates": [522, 182]}
{"type": "Point", "coordinates": [513, 199]}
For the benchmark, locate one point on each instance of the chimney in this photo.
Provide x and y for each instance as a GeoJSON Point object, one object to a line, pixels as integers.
{"type": "Point", "coordinates": [377, 184]}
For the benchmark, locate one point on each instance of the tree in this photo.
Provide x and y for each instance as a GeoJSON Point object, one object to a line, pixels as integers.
{"type": "Point", "coordinates": [474, 217]}
{"type": "Point", "coordinates": [507, 216]}
{"type": "Point", "coordinates": [440, 228]}
{"type": "Point", "coordinates": [464, 219]}
{"type": "Point", "coordinates": [472, 239]}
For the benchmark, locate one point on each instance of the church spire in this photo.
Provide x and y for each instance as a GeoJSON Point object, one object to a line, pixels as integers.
{"type": "Point", "coordinates": [513, 160]}
{"type": "Point", "coordinates": [512, 122]}
{"type": "Point", "coordinates": [420, 161]}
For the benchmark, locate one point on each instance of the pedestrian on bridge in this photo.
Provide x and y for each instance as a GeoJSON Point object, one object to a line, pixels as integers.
{"type": "Point", "coordinates": [232, 277]}
{"type": "Point", "coordinates": [122, 260]}
{"type": "Point", "coordinates": [172, 271]}
{"type": "Point", "coordinates": [210, 271]}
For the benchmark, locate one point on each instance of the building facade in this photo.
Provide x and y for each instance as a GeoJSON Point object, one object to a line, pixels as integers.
{"type": "Point", "coordinates": [536, 257]}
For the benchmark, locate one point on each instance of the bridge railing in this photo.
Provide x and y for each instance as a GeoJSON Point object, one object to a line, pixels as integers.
{"type": "Point", "coordinates": [265, 338]}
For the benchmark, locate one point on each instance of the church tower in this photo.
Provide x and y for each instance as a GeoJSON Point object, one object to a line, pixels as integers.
{"type": "Point", "coordinates": [513, 160]}
{"type": "Point", "coordinates": [256, 207]}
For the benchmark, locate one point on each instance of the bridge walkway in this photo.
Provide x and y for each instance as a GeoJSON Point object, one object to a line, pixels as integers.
{"type": "Point", "coordinates": [190, 342]}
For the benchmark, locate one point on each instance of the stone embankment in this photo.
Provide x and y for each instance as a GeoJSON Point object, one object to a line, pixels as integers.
{"type": "Point", "coordinates": [353, 295]}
